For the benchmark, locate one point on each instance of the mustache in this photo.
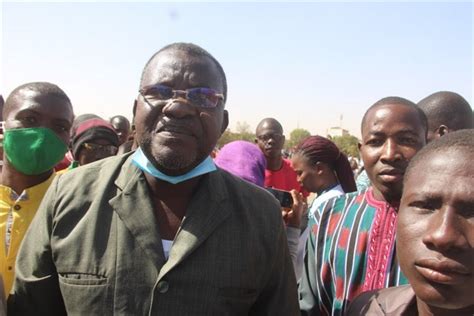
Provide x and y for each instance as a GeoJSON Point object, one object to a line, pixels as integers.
{"type": "Point", "coordinates": [172, 125]}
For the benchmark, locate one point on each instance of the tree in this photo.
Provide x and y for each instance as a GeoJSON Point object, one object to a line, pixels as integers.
{"type": "Point", "coordinates": [226, 137]}
{"type": "Point", "coordinates": [296, 136]}
{"type": "Point", "coordinates": [348, 144]}
{"type": "Point", "coordinates": [243, 133]}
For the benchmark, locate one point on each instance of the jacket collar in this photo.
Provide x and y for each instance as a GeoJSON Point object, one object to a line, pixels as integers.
{"type": "Point", "coordinates": [208, 208]}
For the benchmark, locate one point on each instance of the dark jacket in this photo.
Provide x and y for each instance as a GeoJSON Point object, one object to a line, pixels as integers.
{"type": "Point", "coordinates": [94, 249]}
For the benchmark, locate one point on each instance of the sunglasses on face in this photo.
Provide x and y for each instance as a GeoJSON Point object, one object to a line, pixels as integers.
{"type": "Point", "coordinates": [201, 97]}
{"type": "Point", "coordinates": [109, 149]}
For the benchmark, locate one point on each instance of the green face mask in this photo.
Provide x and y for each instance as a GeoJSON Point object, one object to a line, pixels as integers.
{"type": "Point", "coordinates": [33, 151]}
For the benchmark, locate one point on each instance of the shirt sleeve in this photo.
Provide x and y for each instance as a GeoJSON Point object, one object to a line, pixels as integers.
{"type": "Point", "coordinates": [36, 287]}
{"type": "Point", "coordinates": [315, 295]}
{"type": "Point", "coordinates": [293, 236]}
{"type": "Point", "coordinates": [309, 304]}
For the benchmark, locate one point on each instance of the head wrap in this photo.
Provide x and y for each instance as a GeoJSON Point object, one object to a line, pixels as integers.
{"type": "Point", "coordinates": [243, 159]}
{"type": "Point", "coordinates": [92, 129]}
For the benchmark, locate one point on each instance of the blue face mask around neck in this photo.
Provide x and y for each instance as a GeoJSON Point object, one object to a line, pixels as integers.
{"type": "Point", "coordinates": [141, 161]}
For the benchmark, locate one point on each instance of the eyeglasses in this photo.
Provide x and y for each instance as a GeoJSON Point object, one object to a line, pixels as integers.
{"type": "Point", "coordinates": [267, 137]}
{"type": "Point", "coordinates": [202, 97]}
{"type": "Point", "coordinates": [108, 149]}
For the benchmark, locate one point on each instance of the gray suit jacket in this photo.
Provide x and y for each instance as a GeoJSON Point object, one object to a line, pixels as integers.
{"type": "Point", "coordinates": [94, 249]}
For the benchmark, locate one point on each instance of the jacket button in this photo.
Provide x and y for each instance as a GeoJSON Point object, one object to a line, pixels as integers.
{"type": "Point", "coordinates": [163, 287]}
{"type": "Point", "coordinates": [17, 207]}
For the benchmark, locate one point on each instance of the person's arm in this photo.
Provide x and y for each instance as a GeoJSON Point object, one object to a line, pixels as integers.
{"type": "Point", "coordinates": [315, 296]}
{"type": "Point", "coordinates": [308, 298]}
{"type": "Point", "coordinates": [36, 288]}
{"type": "Point", "coordinates": [293, 220]}
{"type": "Point", "coordinates": [293, 237]}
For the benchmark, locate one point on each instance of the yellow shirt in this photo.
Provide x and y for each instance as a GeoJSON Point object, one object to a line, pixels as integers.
{"type": "Point", "coordinates": [16, 214]}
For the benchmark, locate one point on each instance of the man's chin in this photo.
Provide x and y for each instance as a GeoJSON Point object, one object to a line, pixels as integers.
{"type": "Point", "coordinates": [173, 164]}
{"type": "Point", "coordinates": [391, 192]}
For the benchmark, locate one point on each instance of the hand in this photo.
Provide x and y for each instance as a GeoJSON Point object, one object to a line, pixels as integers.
{"type": "Point", "coordinates": [292, 216]}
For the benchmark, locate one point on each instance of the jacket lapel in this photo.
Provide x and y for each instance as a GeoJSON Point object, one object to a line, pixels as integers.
{"type": "Point", "coordinates": [134, 207]}
{"type": "Point", "coordinates": [207, 210]}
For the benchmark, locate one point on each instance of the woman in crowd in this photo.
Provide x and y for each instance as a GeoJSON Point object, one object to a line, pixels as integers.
{"type": "Point", "coordinates": [323, 169]}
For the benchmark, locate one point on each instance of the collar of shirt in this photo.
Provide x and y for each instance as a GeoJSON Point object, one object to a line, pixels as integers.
{"type": "Point", "coordinates": [33, 193]}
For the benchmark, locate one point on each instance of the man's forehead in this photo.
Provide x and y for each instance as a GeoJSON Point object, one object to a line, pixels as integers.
{"type": "Point", "coordinates": [453, 161]}
{"type": "Point", "coordinates": [169, 65]}
{"type": "Point", "coordinates": [35, 100]}
{"type": "Point", "coordinates": [378, 117]}
{"type": "Point", "coordinates": [268, 127]}
{"type": "Point", "coordinates": [118, 121]}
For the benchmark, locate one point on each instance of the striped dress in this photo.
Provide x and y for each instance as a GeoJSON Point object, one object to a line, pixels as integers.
{"type": "Point", "coordinates": [351, 249]}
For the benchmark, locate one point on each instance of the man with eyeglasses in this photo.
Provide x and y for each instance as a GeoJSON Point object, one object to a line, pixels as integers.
{"type": "Point", "coordinates": [160, 231]}
{"type": "Point", "coordinates": [94, 139]}
{"type": "Point", "coordinates": [279, 174]}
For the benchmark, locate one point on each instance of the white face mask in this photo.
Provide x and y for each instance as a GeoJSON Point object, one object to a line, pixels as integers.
{"type": "Point", "coordinates": [141, 161]}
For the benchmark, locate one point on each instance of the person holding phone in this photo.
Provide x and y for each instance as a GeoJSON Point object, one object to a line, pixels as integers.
{"type": "Point", "coordinates": [323, 169]}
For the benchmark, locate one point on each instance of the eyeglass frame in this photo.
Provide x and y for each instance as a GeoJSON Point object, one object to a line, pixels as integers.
{"type": "Point", "coordinates": [265, 138]}
{"type": "Point", "coordinates": [143, 91]}
{"type": "Point", "coordinates": [99, 147]}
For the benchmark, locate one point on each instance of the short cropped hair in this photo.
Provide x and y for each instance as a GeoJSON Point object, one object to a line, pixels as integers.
{"type": "Point", "coordinates": [45, 88]}
{"type": "Point", "coordinates": [462, 140]}
{"type": "Point", "coordinates": [194, 51]}
{"type": "Point", "coordinates": [272, 121]}
{"type": "Point", "coordinates": [447, 108]}
{"type": "Point", "coordinates": [397, 101]}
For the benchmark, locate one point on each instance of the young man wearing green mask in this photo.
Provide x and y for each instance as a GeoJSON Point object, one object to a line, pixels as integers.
{"type": "Point", "coordinates": [38, 117]}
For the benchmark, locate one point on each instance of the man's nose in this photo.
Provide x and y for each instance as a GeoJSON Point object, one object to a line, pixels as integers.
{"type": "Point", "coordinates": [445, 231]}
{"type": "Point", "coordinates": [179, 108]}
{"type": "Point", "coordinates": [390, 151]}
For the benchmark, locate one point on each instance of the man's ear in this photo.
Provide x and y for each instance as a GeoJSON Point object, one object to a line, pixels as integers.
{"type": "Point", "coordinates": [442, 130]}
{"type": "Point", "coordinates": [225, 122]}
{"type": "Point", "coordinates": [359, 144]}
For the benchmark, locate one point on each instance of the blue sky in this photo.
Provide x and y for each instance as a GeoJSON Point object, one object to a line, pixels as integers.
{"type": "Point", "coordinates": [304, 64]}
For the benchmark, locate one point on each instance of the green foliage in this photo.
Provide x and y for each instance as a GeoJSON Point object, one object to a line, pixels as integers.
{"type": "Point", "coordinates": [243, 132]}
{"type": "Point", "coordinates": [296, 136]}
{"type": "Point", "coordinates": [347, 144]}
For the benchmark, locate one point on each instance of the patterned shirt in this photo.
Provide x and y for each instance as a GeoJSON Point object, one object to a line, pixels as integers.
{"type": "Point", "coordinates": [351, 249]}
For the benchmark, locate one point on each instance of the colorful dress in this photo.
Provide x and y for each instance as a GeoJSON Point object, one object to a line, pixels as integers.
{"type": "Point", "coordinates": [350, 250]}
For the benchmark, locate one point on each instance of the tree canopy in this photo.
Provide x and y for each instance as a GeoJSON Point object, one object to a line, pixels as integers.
{"type": "Point", "coordinates": [348, 144]}
{"type": "Point", "coordinates": [296, 136]}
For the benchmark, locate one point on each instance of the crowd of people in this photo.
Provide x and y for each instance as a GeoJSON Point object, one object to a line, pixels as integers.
{"type": "Point", "coordinates": [103, 217]}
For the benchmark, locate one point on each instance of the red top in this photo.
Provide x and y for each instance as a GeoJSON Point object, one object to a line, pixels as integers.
{"type": "Point", "coordinates": [283, 179]}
